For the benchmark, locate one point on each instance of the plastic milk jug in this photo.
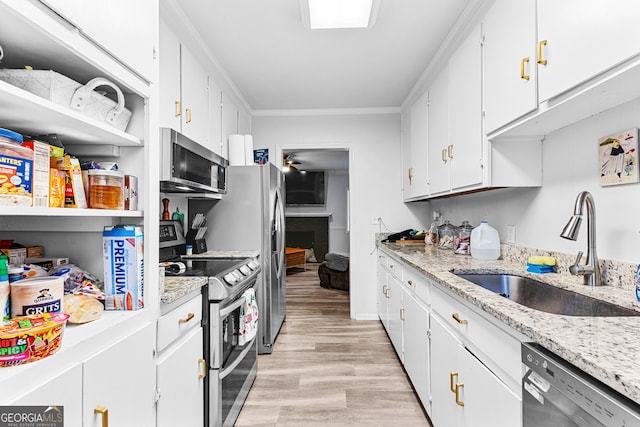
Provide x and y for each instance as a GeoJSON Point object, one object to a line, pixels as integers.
{"type": "Point", "coordinates": [485, 242]}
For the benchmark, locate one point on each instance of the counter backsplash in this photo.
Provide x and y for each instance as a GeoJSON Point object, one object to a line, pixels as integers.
{"type": "Point", "coordinates": [614, 273]}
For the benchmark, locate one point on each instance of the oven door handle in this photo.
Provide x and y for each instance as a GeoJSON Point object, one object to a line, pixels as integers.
{"type": "Point", "coordinates": [239, 359]}
{"type": "Point", "coordinates": [225, 311]}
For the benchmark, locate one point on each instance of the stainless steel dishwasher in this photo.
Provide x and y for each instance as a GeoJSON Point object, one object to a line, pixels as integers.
{"type": "Point", "coordinates": [557, 394]}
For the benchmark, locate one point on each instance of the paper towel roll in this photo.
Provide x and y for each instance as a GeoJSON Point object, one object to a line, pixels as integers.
{"type": "Point", "coordinates": [248, 149]}
{"type": "Point", "coordinates": [236, 150]}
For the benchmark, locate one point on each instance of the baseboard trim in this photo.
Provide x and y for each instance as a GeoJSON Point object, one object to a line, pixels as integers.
{"type": "Point", "coordinates": [367, 316]}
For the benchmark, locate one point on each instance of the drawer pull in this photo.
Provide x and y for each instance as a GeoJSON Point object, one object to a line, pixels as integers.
{"type": "Point", "coordinates": [540, 60]}
{"type": "Point", "coordinates": [522, 74]}
{"type": "Point", "coordinates": [458, 387]}
{"type": "Point", "coordinates": [452, 375]}
{"type": "Point", "coordinates": [104, 413]}
{"type": "Point", "coordinates": [178, 109]}
{"type": "Point", "coordinates": [456, 316]}
{"type": "Point", "coordinates": [203, 369]}
{"type": "Point", "coordinates": [186, 319]}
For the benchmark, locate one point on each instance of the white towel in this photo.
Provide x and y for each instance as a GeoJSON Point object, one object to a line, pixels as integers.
{"type": "Point", "coordinates": [248, 317]}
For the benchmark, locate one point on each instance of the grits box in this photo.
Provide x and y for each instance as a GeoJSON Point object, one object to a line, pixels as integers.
{"type": "Point", "coordinates": [122, 248]}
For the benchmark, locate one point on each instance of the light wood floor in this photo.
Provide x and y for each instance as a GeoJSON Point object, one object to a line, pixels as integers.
{"type": "Point", "coordinates": [329, 370]}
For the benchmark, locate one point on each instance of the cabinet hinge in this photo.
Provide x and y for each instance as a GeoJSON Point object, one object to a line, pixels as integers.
{"type": "Point", "coordinates": [156, 395]}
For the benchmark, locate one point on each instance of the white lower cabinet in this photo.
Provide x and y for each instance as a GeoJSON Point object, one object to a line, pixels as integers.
{"type": "Point", "coordinates": [383, 312]}
{"type": "Point", "coordinates": [180, 366]}
{"type": "Point", "coordinates": [394, 295]}
{"type": "Point", "coordinates": [464, 391]}
{"type": "Point", "coordinates": [117, 383]}
{"type": "Point", "coordinates": [416, 345]}
{"type": "Point", "coordinates": [64, 390]}
{"type": "Point", "coordinates": [180, 380]}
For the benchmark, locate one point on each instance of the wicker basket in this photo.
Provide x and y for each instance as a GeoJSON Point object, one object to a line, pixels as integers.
{"type": "Point", "coordinates": [65, 91]}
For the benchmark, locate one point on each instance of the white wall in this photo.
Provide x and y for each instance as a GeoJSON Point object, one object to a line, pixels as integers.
{"type": "Point", "coordinates": [375, 182]}
{"type": "Point", "coordinates": [337, 186]}
{"type": "Point", "coordinates": [570, 165]}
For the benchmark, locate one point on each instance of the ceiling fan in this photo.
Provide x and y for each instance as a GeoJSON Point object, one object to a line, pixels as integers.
{"type": "Point", "coordinates": [288, 162]}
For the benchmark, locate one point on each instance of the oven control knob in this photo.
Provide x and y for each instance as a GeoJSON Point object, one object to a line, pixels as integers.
{"type": "Point", "coordinates": [245, 270]}
{"type": "Point", "coordinates": [230, 278]}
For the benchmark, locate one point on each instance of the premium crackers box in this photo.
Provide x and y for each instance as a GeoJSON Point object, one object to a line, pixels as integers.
{"type": "Point", "coordinates": [123, 252]}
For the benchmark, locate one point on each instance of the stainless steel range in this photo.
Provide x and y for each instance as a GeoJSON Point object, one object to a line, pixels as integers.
{"type": "Point", "coordinates": [231, 361]}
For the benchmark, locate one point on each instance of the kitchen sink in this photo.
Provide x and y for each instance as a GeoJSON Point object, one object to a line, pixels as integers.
{"type": "Point", "coordinates": [544, 297]}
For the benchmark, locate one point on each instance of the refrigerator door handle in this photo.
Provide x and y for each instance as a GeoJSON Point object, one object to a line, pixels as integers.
{"type": "Point", "coordinates": [278, 219]}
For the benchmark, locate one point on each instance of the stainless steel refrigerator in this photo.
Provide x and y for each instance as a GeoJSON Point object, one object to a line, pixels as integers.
{"type": "Point", "coordinates": [251, 217]}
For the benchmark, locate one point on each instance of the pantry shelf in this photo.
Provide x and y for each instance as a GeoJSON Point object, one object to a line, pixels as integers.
{"type": "Point", "coordinates": [31, 211]}
{"type": "Point", "coordinates": [27, 113]}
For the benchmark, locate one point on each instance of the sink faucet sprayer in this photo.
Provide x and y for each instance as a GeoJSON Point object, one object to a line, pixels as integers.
{"type": "Point", "coordinates": [591, 270]}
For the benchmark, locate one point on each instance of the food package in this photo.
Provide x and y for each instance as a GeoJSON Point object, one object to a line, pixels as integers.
{"type": "Point", "coordinates": [78, 282]}
{"type": "Point", "coordinates": [123, 256]}
{"type": "Point", "coordinates": [41, 179]}
{"type": "Point", "coordinates": [29, 338]}
{"type": "Point", "coordinates": [48, 262]}
{"type": "Point", "coordinates": [56, 188]}
{"type": "Point", "coordinates": [82, 308]}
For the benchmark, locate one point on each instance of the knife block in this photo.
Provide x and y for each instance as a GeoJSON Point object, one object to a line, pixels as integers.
{"type": "Point", "coordinates": [199, 245]}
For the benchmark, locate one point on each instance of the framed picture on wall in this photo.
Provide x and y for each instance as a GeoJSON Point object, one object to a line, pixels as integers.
{"type": "Point", "coordinates": [618, 158]}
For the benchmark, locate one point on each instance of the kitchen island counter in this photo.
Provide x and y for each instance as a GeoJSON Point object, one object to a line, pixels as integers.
{"type": "Point", "coordinates": [604, 347]}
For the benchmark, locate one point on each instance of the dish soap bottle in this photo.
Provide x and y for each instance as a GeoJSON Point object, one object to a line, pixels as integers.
{"type": "Point", "coordinates": [177, 215]}
{"type": "Point", "coordinates": [5, 307]}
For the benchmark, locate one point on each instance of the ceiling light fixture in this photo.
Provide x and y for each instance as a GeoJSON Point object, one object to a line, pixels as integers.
{"type": "Point", "coordinates": [334, 14]}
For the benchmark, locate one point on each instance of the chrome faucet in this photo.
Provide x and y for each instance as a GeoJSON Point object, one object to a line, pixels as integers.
{"type": "Point", "coordinates": [591, 270]}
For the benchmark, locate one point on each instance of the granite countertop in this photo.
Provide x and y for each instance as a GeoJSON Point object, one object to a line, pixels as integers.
{"type": "Point", "coordinates": [176, 287]}
{"type": "Point", "coordinates": [604, 347]}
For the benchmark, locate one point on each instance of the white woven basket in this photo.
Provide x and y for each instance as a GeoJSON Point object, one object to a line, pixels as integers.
{"type": "Point", "coordinates": [65, 91]}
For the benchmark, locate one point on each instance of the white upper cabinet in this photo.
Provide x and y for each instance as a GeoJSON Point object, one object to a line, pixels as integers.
{"type": "Point", "coordinates": [583, 39]}
{"type": "Point", "coordinates": [215, 118]}
{"type": "Point", "coordinates": [416, 145]}
{"type": "Point", "coordinates": [465, 149]}
{"type": "Point", "coordinates": [111, 25]}
{"type": "Point", "coordinates": [509, 62]}
{"type": "Point", "coordinates": [170, 98]}
{"type": "Point", "coordinates": [439, 146]}
{"type": "Point", "coordinates": [184, 97]}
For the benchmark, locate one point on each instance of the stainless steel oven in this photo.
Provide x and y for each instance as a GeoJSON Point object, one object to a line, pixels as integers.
{"type": "Point", "coordinates": [557, 394]}
{"type": "Point", "coordinates": [231, 360]}
{"type": "Point", "coordinates": [233, 363]}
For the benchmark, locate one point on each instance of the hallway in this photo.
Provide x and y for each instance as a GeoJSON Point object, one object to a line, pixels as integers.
{"type": "Point", "coordinates": [327, 369]}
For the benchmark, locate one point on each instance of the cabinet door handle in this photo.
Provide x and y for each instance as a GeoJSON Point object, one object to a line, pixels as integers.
{"type": "Point", "coordinates": [522, 74]}
{"type": "Point", "coordinates": [402, 313]}
{"type": "Point", "coordinates": [104, 412]}
{"type": "Point", "coordinates": [178, 109]}
{"type": "Point", "coordinates": [186, 319]}
{"type": "Point", "coordinates": [456, 316]}
{"type": "Point", "coordinates": [410, 175]}
{"type": "Point", "coordinates": [188, 110]}
{"type": "Point", "coordinates": [450, 151]}
{"type": "Point", "coordinates": [458, 387]}
{"type": "Point", "coordinates": [452, 375]}
{"type": "Point", "coordinates": [203, 369]}
{"type": "Point", "coordinates": [410, 283]}
{"type": "Point", "coordinates": [540, 60]}
{"type": "Point", "coordinates": [444, 153]}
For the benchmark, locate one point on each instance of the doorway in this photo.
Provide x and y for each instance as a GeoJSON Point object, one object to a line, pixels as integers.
{"type": "Point", "coordinates": [319, 225]}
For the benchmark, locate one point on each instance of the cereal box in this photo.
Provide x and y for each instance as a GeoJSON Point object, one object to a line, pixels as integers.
{"type": "Point", "coordinates": [123, 267]}
{"type": "Point", "coordinates": [40, 184]}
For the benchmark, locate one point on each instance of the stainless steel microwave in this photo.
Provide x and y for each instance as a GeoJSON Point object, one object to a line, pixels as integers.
{"type": "Point", "coordinates": [188, 167]}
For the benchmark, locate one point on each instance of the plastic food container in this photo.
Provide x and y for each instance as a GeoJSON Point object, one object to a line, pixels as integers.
{"type": "Point", "coordinates": [30, 338]}
{"type": "Point", "coordinates": [106, 189]}
{"type": "Point", "coordinates": [16, 165]}
{"type": "Point", "coordinates": [36, 296]}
